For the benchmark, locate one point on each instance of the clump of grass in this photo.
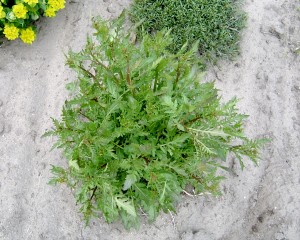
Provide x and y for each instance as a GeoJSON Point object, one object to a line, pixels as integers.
{"type": "Point", "coordinates": [214, 23]}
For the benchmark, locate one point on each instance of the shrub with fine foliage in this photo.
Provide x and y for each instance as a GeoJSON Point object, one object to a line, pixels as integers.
{"type": "Point", "coordinates": [214, 23]}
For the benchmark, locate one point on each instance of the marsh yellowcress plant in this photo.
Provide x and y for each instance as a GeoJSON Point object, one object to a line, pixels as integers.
{"type": "Point", "coordinates": [141, 126]}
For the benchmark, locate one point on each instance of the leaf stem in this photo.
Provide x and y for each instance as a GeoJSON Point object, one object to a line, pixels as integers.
{"type": "Point", "coordinates": [155, 81]}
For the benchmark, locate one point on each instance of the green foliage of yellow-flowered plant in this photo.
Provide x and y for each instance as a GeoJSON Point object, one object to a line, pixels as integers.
{"type": "Point", "coordinates": [17, 17]}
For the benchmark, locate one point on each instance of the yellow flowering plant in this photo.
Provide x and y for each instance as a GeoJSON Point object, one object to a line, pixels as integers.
{"type": "Point", "coordinates": [17, 17]}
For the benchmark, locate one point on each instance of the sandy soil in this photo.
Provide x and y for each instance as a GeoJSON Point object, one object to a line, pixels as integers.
{"type": "Point", "coordinates": [260, 203]}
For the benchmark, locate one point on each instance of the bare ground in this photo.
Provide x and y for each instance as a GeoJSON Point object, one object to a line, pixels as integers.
{"type": "Point", "coordinates": [260, 203]}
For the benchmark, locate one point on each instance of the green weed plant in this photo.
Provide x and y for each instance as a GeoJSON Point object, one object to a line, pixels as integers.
{"type": "Point", "coordinates": [141, 126]}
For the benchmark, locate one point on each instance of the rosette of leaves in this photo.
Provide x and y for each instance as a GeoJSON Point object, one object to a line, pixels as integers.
{"type": "Point", "coordinates": [214, 23]}
{"type": "Point", "coordinates": [140, 127]}
{"type": "Point", "coordinates": [17, 17]}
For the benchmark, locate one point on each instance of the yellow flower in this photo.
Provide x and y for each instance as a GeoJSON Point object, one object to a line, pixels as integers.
{"type": "Point", "coordinates": [11, 32]}
{"type": "Point", "coordinates": [57, 4]}
{"type": "Point", "coordinates": [50, 12]}
{"type": "Point", "coordinates": [31, 2]}
{"type": "Point", "coordinates": [20, 10]}
{"type": "Point", "coordinates": [2, 13]}
{"type": "Point", "coordinates": [27, 35]}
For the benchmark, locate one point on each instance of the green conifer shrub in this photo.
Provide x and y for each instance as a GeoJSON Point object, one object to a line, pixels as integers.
{"type": "Point", "coordinates": [140, 126]}
{"type": "Point", "coordinates": [214, 23]}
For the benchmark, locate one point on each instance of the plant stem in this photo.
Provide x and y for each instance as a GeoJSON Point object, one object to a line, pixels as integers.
{"type": "Point", "coordinates": [84, 115]}
{"type": "Point", "coordinates": [91, 75]}
{"type": "Point", "coordinates": [88, 73]}
{"type": "Point", "coordinates": [93, 194]}
{"type": "Point", "coordinates": [128, 77]}
{"type": "Point", "coordinates": [105, 67]}
{"type": "Point", "coordinates": [177, 75]}
{"type": "Point", "coordinates": [155, 82]}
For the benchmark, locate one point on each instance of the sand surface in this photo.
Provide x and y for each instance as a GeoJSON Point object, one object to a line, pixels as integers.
{"type": "Point", "coordinates": [260, 203]}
